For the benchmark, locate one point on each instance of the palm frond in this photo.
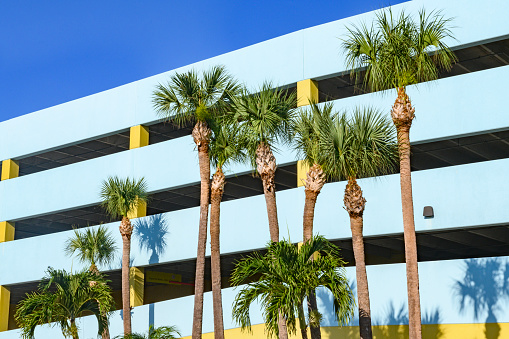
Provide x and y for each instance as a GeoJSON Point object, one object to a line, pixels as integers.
{"type": "Point", "coordinates": [188, 97]}
{"type": "Point", "coordinates": [92, 245]}
{"type": "Point", "coordinates": [283, 277]}
{"type": "Point", "coordinates": [398, 50]}
{"type": "Point", "coordinates": [121, 196]}
{"type": "Point", "coordinates": [263, 116]}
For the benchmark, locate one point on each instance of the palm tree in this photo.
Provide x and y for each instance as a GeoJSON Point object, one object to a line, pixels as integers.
{"type": "Point", "coordinates": [264, 118]}
{"type": "Point", "coordinates": [398, 51]}
{"type": "Point", "coordinates": [284, 277]}
{"type": "Point", "coordinates": [162, 332]}
{"type": "Point", "coordinates": [93, 245]}
{"type": "Point", "coordinates": [363, 146]}
{"type": "Point", "coordinates": [61, 298]}
{"type": "Point", "coordinates": [225, 146]}
{"type": "Point", "coordinates": [308, 128]}
{"type": "Point", "coordinates": [120, 197]}
{"type": "Point", "coordinates": [187, 98]}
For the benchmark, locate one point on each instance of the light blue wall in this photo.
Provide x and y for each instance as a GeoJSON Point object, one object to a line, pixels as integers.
{"type": "Point", "coordinates": [441, 110]}
{"type": "Point", "coordinates": [387, 287]}
{"type": "Point", "coordinates": [453, 192]}
{"type": "Point", "coordinates": [311, 53]}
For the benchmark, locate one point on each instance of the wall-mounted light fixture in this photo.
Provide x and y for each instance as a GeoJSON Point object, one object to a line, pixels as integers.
{"type": "Point", "coordinates": [428, 212]}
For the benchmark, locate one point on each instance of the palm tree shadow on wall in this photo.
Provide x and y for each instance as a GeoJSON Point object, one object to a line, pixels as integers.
{"type": "Point", "coordinates": [483, 288]}
{"type": "Point", "coordinates": [151, 233]}
{"type": "Point", "coordinates": [397, 317]}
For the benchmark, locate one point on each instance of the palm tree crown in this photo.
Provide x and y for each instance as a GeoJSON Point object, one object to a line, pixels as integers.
{"type": "Point", "coordinates": [121, 196]}
{"type": "Point", "coordinates": [227, 145]}
{"type": "Point", "coordinates": [62, 297]}
{"type": "Point", "coordinates": [398, 51]}
{"type": "Point", "coordinates": [362, 146]}
{"type": "Point", "coordinates": [92, 245]}
{"type": "Point", "coordinates": [286, 277]}
{"type": "Point", "coordinates": [187, 96]}
{"type": "Point", "coordinates": [264, 116]}
{"type": "Point", "coordinates": [309, 126]}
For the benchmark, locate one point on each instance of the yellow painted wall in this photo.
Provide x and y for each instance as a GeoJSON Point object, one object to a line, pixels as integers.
{"type": "Point", "coordinates": [10, 169]}
{"type": "Point", "coordinates": [136, 286]}
{"type": "Point", "coordinates": [139, 211]}
{"type": "Point", "coordinates": [306, 90]}
{"type": "Point", "coordinates": [138, 136]}
{"type": "Point", "coordinates": [5, 297]}
{"type": "Point", "coordinates": [445, 331]}
{"type": "Point", "coordinates": [6, 231]}
{"type": "Point", "coordinates": [302, 170]}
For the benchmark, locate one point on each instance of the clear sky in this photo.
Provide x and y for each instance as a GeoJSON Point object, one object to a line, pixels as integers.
{"type": "Point", "coordinates": [60, 50]}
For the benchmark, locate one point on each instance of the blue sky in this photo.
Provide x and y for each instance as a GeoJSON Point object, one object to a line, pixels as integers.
{"type": "Point", "coordinates": [60, 50]}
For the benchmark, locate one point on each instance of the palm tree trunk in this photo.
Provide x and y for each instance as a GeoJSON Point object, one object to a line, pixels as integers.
{"type": "Point", "coordinates": [302, 323]}
{"type": "Point", "coordinates": [216, 194]}
{"type": "Point", "coordinates": [106, 332]}
{"type": "Point", "coordinates": [355, 204]}
{"type": "Point", "coordinates": [402, 115]}
{"type": "Point", "coordinates": [315, 179]}
{"type": "Point", "coordinates": [126, 230]}
{"type": "Point", "coordinates": [74, 329]}
{"type": "Point", "coordinates": [266, 166]}
{"type": "Point", "coordinates": [201, 135]}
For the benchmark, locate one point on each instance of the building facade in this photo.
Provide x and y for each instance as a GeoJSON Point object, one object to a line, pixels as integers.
{"type": "Point", "coordinates": [54, 160]}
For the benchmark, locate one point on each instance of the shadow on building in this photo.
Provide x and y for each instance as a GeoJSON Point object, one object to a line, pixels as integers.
{"type": "Point", "coordinates": [485, 285]}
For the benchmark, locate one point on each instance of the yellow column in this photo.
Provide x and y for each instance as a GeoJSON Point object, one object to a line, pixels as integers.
{"type": "Point", "coordinates": [139, 211]}
{"type": "Point", "coordinates": [136, 286]}
{"type": "Point", "coordinates": [307, 90]}
{"type": "Point", "coordinates": [5, 296]}
{"type": "Point", "coordinates": [138, 137]}
{"type": "Point", "coordinates": [10, 169]}
{"type": "Point", "coordinates": [6, 231]}
{"type": "Point", "coordinates": [302, 170]}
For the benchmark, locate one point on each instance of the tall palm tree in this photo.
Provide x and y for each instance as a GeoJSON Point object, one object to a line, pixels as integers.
{"type": "Point", "coordinates": [190, 98]}
{"type": "Point", "coordinates": [162, 332]}
{"type": "Point", "coordinates": [226, 146]}
{"type": "Point", "coordinates": [284, 276]}
{"type": "Point", "coordinates": [364, 146]}
{"type": "Point", "coordinates": [264, 118]}
{"type": "Point", "coordinates": [398, 51]}
{"type": "Point", "coordinates": [61, 298]}
{"type": "Point", "coordinates": [308, 129]}
{"type": "Point", "coordinates": [93, 245]}
{"type": "Point", "coordinates": [120, 197]}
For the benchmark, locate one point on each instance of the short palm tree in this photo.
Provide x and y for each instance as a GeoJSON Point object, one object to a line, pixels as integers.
{"type": "Point", "coordinates": [61, 298]}
{"type": "Point", "coordinates": [264, 118]}
{"type": "Point", "coordinates": [189, 98]}
{"type": "Point", "coordinates": [226, 146]}
{"type": "Point", "coordinates": [162, 332]}
{"type": "Point", "coordinates": [308, 129]}
{"type": "Point", "coordinates": [284, 277]}
{"type": "Point", "coordinates": [364, 146]}
{"type": "Point", "coordinates": [398, 51]}
{"type": "Point", "coordinates": [120, 197]}
{"type": "Point", "coordinates": [93, 246]}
